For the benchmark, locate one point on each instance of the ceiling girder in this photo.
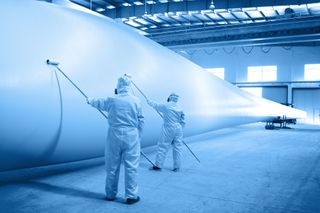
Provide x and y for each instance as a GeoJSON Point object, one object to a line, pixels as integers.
{"type": "Point", "coordinates": [195, 5]}
{"type": "Point", "coordinates": [303, 30]}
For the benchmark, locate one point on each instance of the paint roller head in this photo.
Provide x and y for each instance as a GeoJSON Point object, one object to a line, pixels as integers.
{"type": "Point", "coordinates": [128, 75]}
{"type": "Point", "coordinates": [53, 63]}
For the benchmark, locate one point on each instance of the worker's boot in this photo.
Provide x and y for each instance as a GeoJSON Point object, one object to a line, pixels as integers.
{"type": "Point", "coordinates": [133, 200]}
{"type": "Point", "coordinates": [110, 198]}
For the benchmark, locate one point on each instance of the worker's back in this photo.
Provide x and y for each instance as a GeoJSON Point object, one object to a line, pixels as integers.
{"type": "Point", "coordinates": [172, 114]}
{"type": "Point", "coordinates": [123, 111]}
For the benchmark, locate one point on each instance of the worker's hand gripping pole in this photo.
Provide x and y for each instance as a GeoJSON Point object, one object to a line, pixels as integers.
{"type": "Point", "coordinates": [160, 115]}
{"type": "Point", "coordinates": [56, 65]}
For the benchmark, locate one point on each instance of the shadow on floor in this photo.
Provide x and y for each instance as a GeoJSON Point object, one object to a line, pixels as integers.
{"type": "Point", "coordinates": [19, 175]}
{"type": "Point", "coordinates": [63, 190]}
{"type": "Point", "coordinates": [311, 130]}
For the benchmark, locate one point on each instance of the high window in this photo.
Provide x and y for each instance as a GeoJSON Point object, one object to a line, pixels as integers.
{"type": "Point", "coordinates": [262, 73]}
{"type": "Point", "coordinates": [311, 72]}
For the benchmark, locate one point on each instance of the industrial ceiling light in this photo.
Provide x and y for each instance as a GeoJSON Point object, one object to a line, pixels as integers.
{"type": "Point", "coordinates": [288, 11]}
{"type": "Point", "coordinates": [179, 13]}
{"type": "Point", "coordinates": [138, 3]}
{"type": "Point", "coordinates": [211, 6]}
{"type": "Point", "coordinates": [100, 9]}
{"type": "Point", "coordinates": [126, 4]}
{"type": "Point", "coordinates": [110, 7]}
{"type": "Point", "coordinates": [151, 2]}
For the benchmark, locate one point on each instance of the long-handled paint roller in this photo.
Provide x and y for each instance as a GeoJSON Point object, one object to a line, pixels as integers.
{"type": "Point", "coordinates": [56, 65]}
{"type": "Point", "coordinates": [160, 115]}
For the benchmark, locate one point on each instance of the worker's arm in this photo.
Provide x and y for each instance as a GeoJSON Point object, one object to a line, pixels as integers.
{"type": "Point", "coordinates": [100, 104]}
{"type": "Point", "coordinates": [156, 106]}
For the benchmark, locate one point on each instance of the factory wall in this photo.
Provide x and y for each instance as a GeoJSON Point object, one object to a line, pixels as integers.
{"type": "Point", "coordinates": [235, 60]}
{"type": "Point", "coordinates": [289, 88]}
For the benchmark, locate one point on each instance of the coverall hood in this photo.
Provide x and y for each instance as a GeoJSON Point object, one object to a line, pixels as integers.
{"type": "Point", "coordinates": [123, 84]}
{"type": "Point", "coordinates": [173, 97]}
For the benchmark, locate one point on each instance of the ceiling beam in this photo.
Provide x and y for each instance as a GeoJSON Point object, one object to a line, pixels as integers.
{"type": "Point", "coordinates": [196, 5]}
{"type": "Point", "coordinates": [288, 31]}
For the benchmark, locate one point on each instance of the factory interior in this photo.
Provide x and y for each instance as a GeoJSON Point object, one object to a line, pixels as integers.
{"type": "Point", "coordinates": [247, 75]}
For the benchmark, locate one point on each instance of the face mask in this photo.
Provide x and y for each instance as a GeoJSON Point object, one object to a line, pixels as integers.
{"type": "Point", "coordinates": [115, 91]}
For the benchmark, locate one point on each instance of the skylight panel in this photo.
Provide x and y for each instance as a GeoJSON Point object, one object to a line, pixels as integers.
{"type": "Point", "coordinates": [133, 23]}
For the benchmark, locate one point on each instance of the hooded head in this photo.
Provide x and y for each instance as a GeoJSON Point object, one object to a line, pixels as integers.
{"type": "Point", "coordinates": [123, 84]}
{"type": "Point", "coordinates": [173, 97]}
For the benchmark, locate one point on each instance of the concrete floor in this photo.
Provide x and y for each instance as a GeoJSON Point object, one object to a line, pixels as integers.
{"type": "Point", "coordinates": [243, 169]}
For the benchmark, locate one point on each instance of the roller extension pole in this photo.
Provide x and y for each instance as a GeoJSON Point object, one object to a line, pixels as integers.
{"type": "Point", "coordinates": [141, 92]}
{"type": "Point", "coordinates": [137, 88]}
{"type": "Point", "coordinates": [162, 117]}
{"type": "Point", "coordinates": [56, 65]}
{"type": "Point", "coordinates": [144, 155]}
{"type": "Point", "coordinates": [191, 151]}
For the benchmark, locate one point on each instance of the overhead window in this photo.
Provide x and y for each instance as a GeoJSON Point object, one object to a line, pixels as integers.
{"type": "Point", "coordinates": [311, 72]}
{"type": "Point", "coordinates": [133, 23]}
{"type": "Point", "coordinates": [219, 72]}
{"type": "Point", "coordinates": [262, 73]}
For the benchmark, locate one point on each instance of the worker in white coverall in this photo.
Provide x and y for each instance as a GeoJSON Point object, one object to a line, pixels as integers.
{"type": "Point", "coordinates": [171, 133]}
{"type": "Point", "coordinates": [123, 142]}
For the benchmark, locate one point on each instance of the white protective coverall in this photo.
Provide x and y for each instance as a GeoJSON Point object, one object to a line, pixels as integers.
{"type": "Point", "coordinates": [123, 142]}
{"type": "Point", "coordinates": [171, 133]}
